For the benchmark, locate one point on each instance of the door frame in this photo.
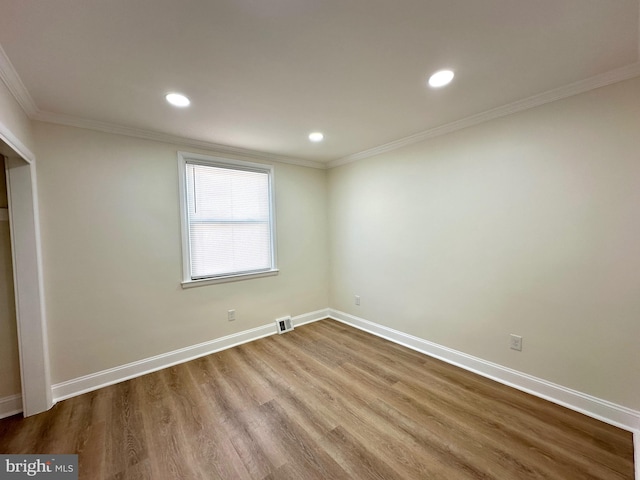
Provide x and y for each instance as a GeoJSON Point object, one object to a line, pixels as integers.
{"type": "Point", "coordinates": [24, 224]}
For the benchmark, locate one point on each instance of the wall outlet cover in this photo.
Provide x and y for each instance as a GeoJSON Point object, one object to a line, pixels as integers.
{"type": "Point", "coordinates": [515, 342]}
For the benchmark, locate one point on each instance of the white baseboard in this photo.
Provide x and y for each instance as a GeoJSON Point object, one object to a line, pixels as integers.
{"type": "Point", "coordinates": [600, 409]}
{"type": "Point", "coordinates": [310, 317]}
{"type": "Point", "coordinates": [94, 381]}
{"type": "Point", "coordinates": [10, 405]}
{"type": "Point", "coordinates": [603, 410]}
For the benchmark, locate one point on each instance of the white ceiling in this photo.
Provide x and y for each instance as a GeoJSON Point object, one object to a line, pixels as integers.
{"type": "Point", "coordinates": [262, 74]}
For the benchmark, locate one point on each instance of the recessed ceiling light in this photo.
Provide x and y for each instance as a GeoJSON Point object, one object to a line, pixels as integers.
{"type": "Point", "coordinates": [316, 136]}
{"type": "Point", "coordinates": [441, 78]}
{"type": "Point", "coordinates": [177, 99]}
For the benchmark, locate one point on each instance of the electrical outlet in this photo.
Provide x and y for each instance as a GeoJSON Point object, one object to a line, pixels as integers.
{"type": "Point", "coordinates": [357, 299]}
{"type": "Point", "coordinates": [515, 342]}
{"type": "Point", "coordinates": [231, 315]}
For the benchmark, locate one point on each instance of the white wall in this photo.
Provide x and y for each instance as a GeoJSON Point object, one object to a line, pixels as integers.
{"type": "Point", "coordinates": [528, 224]}
{"type": "Point", "coordinates": [112, 255]}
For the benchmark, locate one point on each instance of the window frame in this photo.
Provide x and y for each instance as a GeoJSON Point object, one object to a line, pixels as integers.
{"type": "Point", "coordinates": [185, 158]}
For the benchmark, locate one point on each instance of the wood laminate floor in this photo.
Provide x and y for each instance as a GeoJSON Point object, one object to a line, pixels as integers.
{"type": "Point", "coordinates": [325, 401]}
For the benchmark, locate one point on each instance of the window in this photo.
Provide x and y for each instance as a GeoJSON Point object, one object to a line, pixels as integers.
{"type": "Point", "coordinates": [227, 219]}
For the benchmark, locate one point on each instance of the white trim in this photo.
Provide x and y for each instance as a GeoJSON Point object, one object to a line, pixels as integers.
{"type": "Point", "coordinates": [603, 410]}
{"type": "Point", "coordinates": [26, 250]}
{"type": "Point", "coordinates": [218, 148]}
{"type": "Point", "coordinates": [10, 405]}
{"type": "Point", "coordinates": [310, 317]}
{"type": "Point", "coordinates": [186, 158]}
{"type": "Point", "coordinates": [582, 86]}
{"type": "Point", "coordinates": [14, 83]}
{"type": "Point", "coordinates": [15, 144]}
{"type": "Point", "coordinates": [600, 409]}
{"type": "Point", "coordinates": [636, 452]}
{"type": "Point", "coordinates": [184, 222]}
{"type": "Point", "coordinates": [12, 80]}
{"type": "Point", "coordinates": [4, 214]}
{"type": "Point", "coordinates": [638, 478]}
{"type": "Point", "coordinates": [613, 76]}
{"type": "Point", "coordinates": [104, 378]}
{"type": "Point", "coordinates": [228, 278]}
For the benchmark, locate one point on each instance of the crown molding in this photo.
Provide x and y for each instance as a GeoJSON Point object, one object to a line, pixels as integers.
{"type": "Point", "coordinates": [72, 121]}
{"type": "Point", "coordinates": [582, 86]}
{"type": "Point", "coordinates": [14, 83]}
{"type": "Point", "coordinates": [17, 88]}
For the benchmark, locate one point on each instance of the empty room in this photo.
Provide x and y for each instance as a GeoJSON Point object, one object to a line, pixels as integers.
{"type": "Point", "coordinates": [296, 239]}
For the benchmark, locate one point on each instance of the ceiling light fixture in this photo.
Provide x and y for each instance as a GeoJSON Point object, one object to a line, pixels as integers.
{"type": "Point", "coordinates": [177, 100]}
{"type": "Point", "coordinates": [316, 136]}
{"type": "Point", "coordinates": [441, 78]}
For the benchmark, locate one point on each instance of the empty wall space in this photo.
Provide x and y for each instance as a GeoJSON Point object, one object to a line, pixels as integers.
{"type": "Point", "coordinates": [109, 214]}
{"type": "Point", "coordinates": [528, 224]}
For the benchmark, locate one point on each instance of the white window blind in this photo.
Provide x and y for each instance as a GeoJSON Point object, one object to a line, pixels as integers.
{"type": "Point", "coordinates": [228, 209]}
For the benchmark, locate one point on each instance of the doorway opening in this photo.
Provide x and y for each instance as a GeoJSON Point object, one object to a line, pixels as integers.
{"type": "Point", "coordinates": [24, 232]}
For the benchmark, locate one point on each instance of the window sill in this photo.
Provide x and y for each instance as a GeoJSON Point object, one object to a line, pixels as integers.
{"type": "Point", "coordinates": [227, 279]}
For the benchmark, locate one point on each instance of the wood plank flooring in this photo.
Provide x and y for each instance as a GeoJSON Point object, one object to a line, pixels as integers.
{"type": "Point", "coordinates": [325, 401]}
